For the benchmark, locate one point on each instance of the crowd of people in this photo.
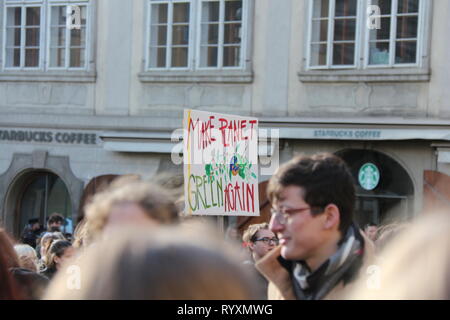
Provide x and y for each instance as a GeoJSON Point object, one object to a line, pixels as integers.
{"type": "Point", "coordinates": [135, 243]}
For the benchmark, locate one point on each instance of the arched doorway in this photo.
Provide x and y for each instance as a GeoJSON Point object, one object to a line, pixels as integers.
{"type": "Point", "coordinates": [384, 188]}
{"type": "Point", "coordinates": [42, 193]}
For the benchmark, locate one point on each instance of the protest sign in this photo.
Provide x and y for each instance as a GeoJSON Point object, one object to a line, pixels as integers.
{"type": "Point", "coordinates": [220, 164]}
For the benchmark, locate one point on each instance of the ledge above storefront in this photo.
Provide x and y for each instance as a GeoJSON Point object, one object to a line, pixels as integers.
{"type": "Point", "coordinates": [367, 129]}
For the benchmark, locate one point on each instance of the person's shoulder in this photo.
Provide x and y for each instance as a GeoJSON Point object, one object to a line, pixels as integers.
{"type": "Point", "coordinates": [27, 276]}
{"type": "Point", "coordinates": [27, 232]}
{"type": "Point", "coordinates": [47, 273]}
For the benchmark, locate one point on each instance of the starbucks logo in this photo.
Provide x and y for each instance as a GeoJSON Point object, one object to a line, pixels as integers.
{"type": "Point", "coordinates": [369, 176]}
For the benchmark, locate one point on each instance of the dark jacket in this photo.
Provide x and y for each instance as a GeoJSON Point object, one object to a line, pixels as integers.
{"type": "Point", "coordinates": [30, 236]}
{"type": "Point", "coordinates": [49, 273]}
{"type": "Point", "coordinates": [32, 284]}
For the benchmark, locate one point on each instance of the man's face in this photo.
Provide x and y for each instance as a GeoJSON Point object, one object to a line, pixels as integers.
{"type": "Point", "coordinates": [371, 232]}
{"type": "Point", "coordinates": [35, 226]}
{"type": "Point", "coordinates": [55, 225]}
{"type": "Point", "coordinates": [260, 248]}
{"type": "Point", "coordinates": [301, 234]}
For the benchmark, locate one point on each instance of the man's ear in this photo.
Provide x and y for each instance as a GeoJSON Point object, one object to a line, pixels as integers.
{"type": "Point", "coordinates": [332, 217]}
{"type": "Point", "coordinates": [251, 246]}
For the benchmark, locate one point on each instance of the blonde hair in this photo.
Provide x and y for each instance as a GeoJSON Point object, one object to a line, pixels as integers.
{"type": "Point", "coordinates": [387, 234]}
{"type": "Point", "coordinates": [80, 234]}
{"type": "Point", "coordinates": [168, 263]}
{"type": "Point", "coordinates": [252, 231]}
{"type": "Point", "coordinates": [151, 198]}
{"type": "Point", "coordinates": [416, 265]}
{"type": "Point", "coordinates": [27, 257]}
{"type": "Point", "coordinates": [47, 241]}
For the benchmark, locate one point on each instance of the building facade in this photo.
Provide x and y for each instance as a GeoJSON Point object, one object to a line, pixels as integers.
{"type": "Point", "coordinates": [96, 87]}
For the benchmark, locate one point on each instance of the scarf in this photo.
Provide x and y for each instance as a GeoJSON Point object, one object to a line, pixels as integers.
{"type": "Point", "coordinates": [341, 266]}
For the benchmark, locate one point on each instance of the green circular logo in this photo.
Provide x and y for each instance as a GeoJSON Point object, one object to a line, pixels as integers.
{"type": "Point", "coordinates": [369, 176]}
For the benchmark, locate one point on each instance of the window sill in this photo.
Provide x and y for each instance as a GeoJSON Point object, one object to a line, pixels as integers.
{"type": "Point", "coordinates": [210, 76]}
{"type": "Point", "coordinates": [367, 75]}
{"type": "Point", "coordinates": [48, 76]}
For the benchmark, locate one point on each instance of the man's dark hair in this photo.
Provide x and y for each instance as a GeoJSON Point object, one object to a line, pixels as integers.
{"type": "Point", "coordinates": [325, 179]}
{"type": "Point", "coordinates": [55, 217]}
{"type": "Point", "coordinates": [33, 221]}
{"type": "Point", "coordinates": [371, 224]}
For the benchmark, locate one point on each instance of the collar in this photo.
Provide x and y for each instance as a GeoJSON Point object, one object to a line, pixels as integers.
{"type": "Point", "coordinates": [341, 265]}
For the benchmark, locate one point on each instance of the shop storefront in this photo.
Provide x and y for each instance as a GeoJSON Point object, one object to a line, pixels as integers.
{"type": "Point", "coordinates": [384, 189]}
{"type": "Point", "coordinates": [45, 171]}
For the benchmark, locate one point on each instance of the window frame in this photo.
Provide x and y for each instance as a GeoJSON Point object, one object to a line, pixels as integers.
{"type": "Point", "coordinates": [194, 72]}
{"type": "Point", "coordinates": [170, 24]}
{"type": "Point", "coordinates": [393, 39]}
{"type": "Point", "coordinates": [221, 45]}
{"type": "Point", "coordinates": [330, 37]}
{"type": "Point", "coordinates": [362, 45]}
{"type": "Point", "coordinates": [44, 72]}
{"type": "Point", "coordinates": [67, 46]}
{"type": "Point", "coordinates": [23, 5]}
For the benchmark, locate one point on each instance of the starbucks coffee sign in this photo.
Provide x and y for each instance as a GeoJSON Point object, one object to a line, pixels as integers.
{"type": "Point", "coordinates": [369, 176]}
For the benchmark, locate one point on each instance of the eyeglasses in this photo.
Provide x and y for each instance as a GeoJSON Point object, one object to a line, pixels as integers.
{"type": "Point", "coordinates": [268, 240]}
{"type": "Point", "coordinates": [285, 216]}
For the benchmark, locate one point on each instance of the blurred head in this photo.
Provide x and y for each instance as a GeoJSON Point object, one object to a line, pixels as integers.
{"type": "Point", "coordinates": [260, 240]}
{"type": "Point", "coordinates": [55, 222]}
{"type": "Point", "coordinates": [59, 252]}
{"type": "Point", "coordinates": [9, 289]}
{"type": "Point", "coordinates": [80, 234]}
{"type": "Point", "coordinates": [47, 240]}
{"type": "Point", "coordinates": [173, 183]}
{"type": "Point", "coordinates": [133, 203]}
{"type": "Point", "coordinates": [415, 266]}
{"type": "Point", "coordinates": [387, 234]}
{"type": "Point", "coordinates": [371, 231]}
{"type": "Point", "coordinates": [34, 224]}
{"type": "Point", "coordinates": [312, 201]}
{"type": "Point", "coordinates": [164, 264]}
{"type": "Point", "coordinates": [232, 233]}
{"type": "Point", "coordinates": [27, 257]}
{"type": "Point", "coordinates": [7, 247]}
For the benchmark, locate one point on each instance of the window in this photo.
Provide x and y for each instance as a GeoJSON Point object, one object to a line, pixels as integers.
{"type": "Point", "coordinates": [45, 34]}
{"type": "Point", "coordinates": [396, 41]}
{"type": "Point", "coordinates": [196, 34]}
{"type": "Point", "coordinates": [23, 31]}
{"type": "Point", "coordinates": [169, 34]}
{"type": "Point", "coordinates": [67, 46]}
{"type": "Point", "coordinates": [333, 36]}
{"type": "Point", "coordinates": [221, 24]}
{"type": "Point", "coordinates": [340, 37]}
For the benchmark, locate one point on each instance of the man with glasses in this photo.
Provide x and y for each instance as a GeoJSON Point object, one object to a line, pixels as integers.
{"type": "Point", "coordinates": [259, 240]}
{"type": "Point", "coordinates": [321, 250]}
